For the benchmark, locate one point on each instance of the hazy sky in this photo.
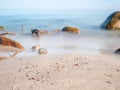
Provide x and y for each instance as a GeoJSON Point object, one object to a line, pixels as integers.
{"type": "Point", "coordinates": [59, 4]}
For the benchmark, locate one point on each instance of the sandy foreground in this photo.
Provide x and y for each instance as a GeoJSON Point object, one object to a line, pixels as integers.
{"type": "Point", "coordinates": [65, 72]}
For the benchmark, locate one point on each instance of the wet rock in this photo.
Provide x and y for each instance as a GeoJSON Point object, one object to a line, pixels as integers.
{"type": "Point", "coordinates": [71, 29]}
{"type": "Point", "coordinates": [36, 48]}
{"type": "Point", "coordinates": [10, 45]}
{"type": "Point", "coordinates": [112, 22]}
{"type": "Point", "coordinates": [42, 51]}
{"type": "Point", "coordinates": [36, 32]}
{"type": "Point", "coordinates": [117, 51]}
{"type": "Point", "coordinates": [9, 42]}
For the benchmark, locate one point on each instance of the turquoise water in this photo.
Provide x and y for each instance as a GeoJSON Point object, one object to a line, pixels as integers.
{"type": "Point", "coordinates": [52, 19]}
{"type": "Point", "coordinates": [91, 39]}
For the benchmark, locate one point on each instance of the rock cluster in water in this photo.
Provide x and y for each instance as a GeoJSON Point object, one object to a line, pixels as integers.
{"type": "Point", "coordinates": [37, 32]}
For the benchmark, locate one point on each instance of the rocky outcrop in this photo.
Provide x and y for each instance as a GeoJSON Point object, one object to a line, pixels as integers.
{"type": "Point", "coordinates": [112, 22]}
{"type": "Point", "coordinates": [117, 51]}
{"type": "Point", "coordinates": [2, 28]}
{"type": "Point", "coordinates": [8, 42]}
{"type": "Point", "coordinates": [71, 29]}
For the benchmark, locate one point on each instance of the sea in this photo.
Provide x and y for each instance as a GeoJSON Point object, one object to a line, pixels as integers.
{"type": "Point", "coordinates": [91, 40]}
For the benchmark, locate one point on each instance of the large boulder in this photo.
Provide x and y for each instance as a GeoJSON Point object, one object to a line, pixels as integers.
{"type": "Point", "coordinates": [71, 29]}
{"type": "Point", "coordinates": [112, 22]}
{"type": "Point", "coordinates": [8, 42]}
{"type": "Point", "coordinates": [2, 28]}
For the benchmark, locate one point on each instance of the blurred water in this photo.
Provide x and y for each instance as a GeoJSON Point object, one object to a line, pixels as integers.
{"type": "Point", "coordinates": [52, 19]}
{"type": "Point", "coordinates": [90, 40]}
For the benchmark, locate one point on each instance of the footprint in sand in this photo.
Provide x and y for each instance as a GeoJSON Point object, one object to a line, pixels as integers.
{"type": "Point", "coordinates": [66, 83]}
{"type": "Point", "coordinates": [57, 67]}
{"type": "Point", "coordinates": [24, 86]}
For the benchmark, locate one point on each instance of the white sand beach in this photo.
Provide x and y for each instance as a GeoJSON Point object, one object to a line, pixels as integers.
{"type": "Point", "coordinates": [62, 72]}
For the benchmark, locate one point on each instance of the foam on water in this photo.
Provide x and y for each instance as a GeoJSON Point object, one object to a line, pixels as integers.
{"type": "Point", "coordinates": [93, 42]}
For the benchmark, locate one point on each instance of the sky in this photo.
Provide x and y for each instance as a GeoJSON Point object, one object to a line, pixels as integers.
{"type": "Point", "coordinates": [60, 4]}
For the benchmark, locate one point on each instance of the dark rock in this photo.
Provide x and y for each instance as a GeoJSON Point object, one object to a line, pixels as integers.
{"type": "Point", "coordinates": [117, 51]}
{"type": "Point", "coordinates": [112, 22]}
{"type": "Point", "coordinates": [36, 32]}
{"type": "Point", "coordinates": [71, 29]}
